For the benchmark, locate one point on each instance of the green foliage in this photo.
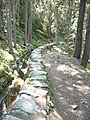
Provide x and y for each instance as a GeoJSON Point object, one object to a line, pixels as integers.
{"type": "Point", "coordinates": [1, 71]}
{"type": "Point", "coordinates": [60, 38]}
{"type": "Point", "coordinates": [5, 60]}
{"type": "Point", "coordinates": [39, 38]}
{"type": "Point", "coordinates": [5, 56]}
{"type": "Point", "coordinates": [88, 67]}
{"type": "Point", "coordinates": [3, 43]}
{"type": "Point", "coordinates": [20, 33]}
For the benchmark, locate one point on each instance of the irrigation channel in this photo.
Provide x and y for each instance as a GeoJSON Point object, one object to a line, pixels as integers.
{"type": "Point", "coordinates": [28, 97]}
{"type": "Point", "coordinates": [11, 90]}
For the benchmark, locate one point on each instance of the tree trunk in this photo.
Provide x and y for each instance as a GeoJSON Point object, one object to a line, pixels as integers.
{"type": "Point", "coordinates": [49, 18]}
{"type": "Point", "coordinates": [85, 56]}
{"type": "Point", "coordinates": [14, 23]}
{"type": "Point", "coordinates": [17, 10]}
{"type": "Point", "coordinates": [1, 17]}
{"type": "Point", "coordinates": [9, 26]}
{"type": "Point", "coordinates": [69, 17]}
{"type": "Point", "coordinates": [22, 13]}
{"type": "Point", "coordinates": [30, 22]}
{"type": "Point", "coordinates": [26, 20]}
{"type": "Point", "coordinates": [78, 45]}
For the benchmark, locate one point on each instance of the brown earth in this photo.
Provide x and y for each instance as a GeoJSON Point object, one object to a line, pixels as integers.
{"type": "Point", "coordinates": [70, 85]}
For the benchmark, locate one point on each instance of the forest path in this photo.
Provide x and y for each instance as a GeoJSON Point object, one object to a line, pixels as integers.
{"type": "Point", "coordinates": [70, 86]}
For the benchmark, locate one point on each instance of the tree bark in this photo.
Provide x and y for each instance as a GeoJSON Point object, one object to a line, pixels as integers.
{"type": "Point", "coordinates": [69, 17]}
{"type": "Point", "coordinates": [17, 10]}
{"type": "Point", "coordinates": [78, 45]}
{"type": "Point", "coordinates": [1, 17]}
{"type": "Point", "coordinates": [14, 23]}
{"type": "Point", "coordinates": [26, 20]}
{"type": "Point", "coordinates": [30, 22]}
{"type": "Point", "coordinates": [9, 26]}
{"type": "Point", "coordinates": [86, 53]}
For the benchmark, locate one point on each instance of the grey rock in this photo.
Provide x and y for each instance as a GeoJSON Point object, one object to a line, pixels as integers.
{"type": "Point", "coordinates": [74, 107]}
{"type": "Point", "coordinates": [10, 117]}
{"type": "Point", "coordinates": [35, 55]}
{"type": "Point", "coordinates": [19, 113]}
{"type": "Point", "coordinates": [42, 47]}
{"type": "Point", "coordinates": [35, 63]}
{"type": "Point", "coordinates": [39, 84]}
{"type": "Point", "coordinates": [36, 68]}
{"type": "Point", "coordinates": [42, 102]}
{"type": "Point", "coordinates": [37, 73]}
{"type": "Point", "coordinates": [37, 60]}
{"type": "Point", "coordinates": [37, 50]}
{"type": "Point", "coordinates": [44, 112]}
{"type": "Point", "coordinates": [26, 104]}
{"type": "Point", "coordinates": [35, 92]}
{"type": "Point", "coordinates": [40, 78]}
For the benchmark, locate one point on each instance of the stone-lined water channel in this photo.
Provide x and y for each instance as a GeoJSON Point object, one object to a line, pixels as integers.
{"type": "Point", "coordinates": [33, 101]}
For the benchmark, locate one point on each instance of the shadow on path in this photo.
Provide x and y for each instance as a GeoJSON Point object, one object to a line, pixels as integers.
{"type": "Point", "coordinates": [70, 87]}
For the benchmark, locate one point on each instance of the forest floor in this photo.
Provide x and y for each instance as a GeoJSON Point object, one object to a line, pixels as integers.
{"type": "Point", "coordinates": [70, 86]}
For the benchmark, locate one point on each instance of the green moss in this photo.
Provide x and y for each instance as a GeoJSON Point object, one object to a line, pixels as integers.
{"type": "Point", "coordinates": [1, 71]}
{"type": "Point", "coordinates": [3, 43]}
{"type": "Point", "coordinates": [48, 82]}
{"type": "Point", "coordinates": [20, 33]}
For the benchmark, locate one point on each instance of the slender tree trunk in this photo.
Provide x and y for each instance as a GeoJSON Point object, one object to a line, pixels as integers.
{"type": "Point", "coordinates": [1, 17]}
{"type": "Point", "coordinates": [69, 17]}
{"type": "Point", "coordinates": [86, 53]}
{"type": "Point", "coordinates": [9, 26]}
{"type": "Point", "coordinates": [78, 45]}
{"type": "Point", "coordinates": [26, 20]}
{"type": "Point", "coordinates": [49, 18]}
{"type": "Point", "coordinates": [17, 9]}
{"type": "Point", "coordinates": [56, 25]}
{"type": "Point", "coordinates": [14, 23]}
{"type": "Point", "coordinates": [22, 13]}
{"type": "Point", "coordinates": [30, 22]}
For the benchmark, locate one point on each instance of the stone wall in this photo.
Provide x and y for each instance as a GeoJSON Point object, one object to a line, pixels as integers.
{"type": "Point", "coordinates": [33, 101]}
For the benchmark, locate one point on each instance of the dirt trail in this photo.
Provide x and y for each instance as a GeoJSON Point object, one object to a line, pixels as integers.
{"type": "Point", "coordinates": [70, 86]}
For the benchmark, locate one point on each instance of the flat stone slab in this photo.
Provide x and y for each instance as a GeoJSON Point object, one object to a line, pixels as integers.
{"type": "Point", "coordinates": [37, 73]}
{"type": "Point", "coordinates": [37, 60]}
{"type": "Point", "coordinates": [19, 114]}
{"type": "Point", "coordinates": [38, 84]}
{"type": "Point", "coordinates": [36, 68]}
{"type": "Point", "coordinates": [35, 55]}
{"type": "Point", "coordinates": [10, 117]}
{"type": "Point", "coordinates": [35, 92]}
{"type": "Point", "coordinates": [42, 47]}
{"type": "Point", "coordinates": [26, 104]}
{"type": "Point", "coordinates": [35, 63]}
{"type": "Point", "coordinates": [42, 102]}
{"type": "Point", "coordinates": [40, 78]}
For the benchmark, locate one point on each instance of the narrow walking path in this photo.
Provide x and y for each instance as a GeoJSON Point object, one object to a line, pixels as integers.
{"type": "Point", "coordinates": [70, 86]}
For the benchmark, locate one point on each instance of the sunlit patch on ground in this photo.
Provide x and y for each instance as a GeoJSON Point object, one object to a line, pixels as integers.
{"type": "Point", "coordinates": [70, 87]}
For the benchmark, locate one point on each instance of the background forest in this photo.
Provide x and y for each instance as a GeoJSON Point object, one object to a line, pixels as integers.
{"type": "Point", "coordinates": [27, 24]}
